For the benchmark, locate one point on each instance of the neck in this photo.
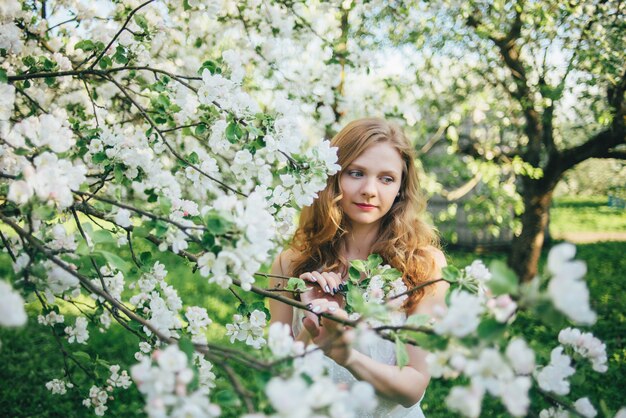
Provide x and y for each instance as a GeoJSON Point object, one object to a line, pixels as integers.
{"type": "Point", "coordinates": [359, 241]}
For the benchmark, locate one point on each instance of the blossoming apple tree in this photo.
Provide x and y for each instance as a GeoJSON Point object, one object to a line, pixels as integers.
{"type": "Point", "coordinates": [131, 131]}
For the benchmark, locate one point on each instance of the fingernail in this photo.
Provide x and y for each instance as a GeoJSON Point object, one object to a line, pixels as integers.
{"type": "Point", "coordinates": [340, 287]}
{"type": "Point", "coordinates": [327, 289]}
{"type": "Point", "coordinates": [334, 290]}
{"type": "Point", "coordinates": [332, 308]}
{"type": "Point", "coordinates": [313, 279]}
{"type": "Point", "coordinates": [317, 309]}
{"type": "Point", "coordinates": [309, 305]}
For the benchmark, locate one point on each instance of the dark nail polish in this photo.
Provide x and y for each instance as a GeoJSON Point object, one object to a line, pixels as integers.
{"type": "Point", "coordinates": [341, 288]}
{"type": "Point", "coordinates": [334, 290]}
{"type": "Point", "coordinates": [309, 305]}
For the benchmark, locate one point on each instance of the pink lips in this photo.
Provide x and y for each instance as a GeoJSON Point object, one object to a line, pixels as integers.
{"type": "Point", "coordinates": [365, 206]}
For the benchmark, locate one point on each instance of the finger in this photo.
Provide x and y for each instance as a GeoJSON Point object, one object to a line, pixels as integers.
{"type": "Point", "coordinates": [308, 276]}
{"type": "Point", "coordinates": [332, 280]}
{"type": "Point", "coordinates": [322, 281]}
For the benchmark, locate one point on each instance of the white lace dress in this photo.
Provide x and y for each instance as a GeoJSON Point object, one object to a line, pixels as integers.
{"type": "Point", "coordinates": [384, 352]}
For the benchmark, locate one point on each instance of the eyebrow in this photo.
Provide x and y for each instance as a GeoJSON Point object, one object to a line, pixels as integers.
{"type": "Point", "coordinates": [359, 167]}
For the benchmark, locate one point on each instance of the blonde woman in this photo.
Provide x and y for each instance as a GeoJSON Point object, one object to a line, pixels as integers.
{"type": "Point", "coordinates": [373, 205]}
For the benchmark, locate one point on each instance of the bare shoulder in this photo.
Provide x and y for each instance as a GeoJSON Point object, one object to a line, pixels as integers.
{"type": "Point", "coordinates": [438, 255]}
{"type": "Point", "coordinates": [283, 264]}
{"type": "Point", "coordinates": [436, 294]}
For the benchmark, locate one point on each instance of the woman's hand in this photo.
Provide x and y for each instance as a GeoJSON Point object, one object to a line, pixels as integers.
{"type": "Point", "coordinates": [329, 282]}
{"type": "Point", "coordinates": [322, 281]}
{"type": "Point", "coordinates": [330, 335]}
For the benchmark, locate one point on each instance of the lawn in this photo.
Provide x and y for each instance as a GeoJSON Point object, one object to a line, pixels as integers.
{"type": "Point", "coordinates": [585, 214]}
{"type": "Point", "coordinates": [30, 356]}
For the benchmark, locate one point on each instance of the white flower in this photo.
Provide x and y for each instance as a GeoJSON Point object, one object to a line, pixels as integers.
{"type": "Point", "coordinates": [584, 407]}
{"type": "Point", "coordinates": [122, 218]}
{"type": "Point", "coordinates": [553, 377]}
{"type": "Point", "coordinates": [58, 387]}
{"type": "Point", "coordinates": [172, 359]}
{"type": "Point", "coordinates": [59, 280]}
{"type": "Point", "coordinates": [572, 298]}
{"type": "Point", "coordinates": [521, 357]}
{"type": "Point", "coordinates": [10, 36]}
{"type": "Point", "coordinates": [20, 192]}
{"type": "Point", "coordinates": [78, 332]}
{"type": "Point", "coordinates": [588, 346]}
{"type": "Point", "coordinates": [554, 413]}
{"type": "Point", "coordinates": [280, 341]}
{"type": "Point", "coordinates": [466, 400]}
{"type": "Point", "coordinates": [566, 288]}
{"type": "Point", "coordinates": [502, 307]}
{"type": "Point", "coordinates": [12, 313]}
{"type": "Point", "coordinates": [7, 100]}
{"type": "Point", "coordinates": [478, 271]}
{"type": "Point", "coordinates": [198, 322]}
{"type": "Point", "coordinates": [258, 318]}
{"type": "Point", "coordinates": [117, 379]}
{"type": "Point", "coordinates": [514, 395]}
{"type": "Point", "coordinates": [51, 319]}
{"type": "Point", "coordinates": [288, 397]}
{"type": "Point", "coordinates": [489, 371]}
{"type": "Point", "coordinates": [462, 317]}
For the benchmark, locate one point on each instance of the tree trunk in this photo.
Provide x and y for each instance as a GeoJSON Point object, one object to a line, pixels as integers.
{"type": "Point", "coordinates": [526, 248]}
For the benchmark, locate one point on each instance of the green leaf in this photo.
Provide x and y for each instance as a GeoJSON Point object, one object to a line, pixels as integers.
{"type": "Point", "coordinates": [118, 171]}
{"type": "Point", "coordinates": [359, 265]}
{"type": "Point", "coordinates": [503, 280]}
{"type": "Point", "coordinates": [145, 257]}
{"type": "Point", "coordinates": [429, 341]}
{"type": "Point", "coordinates": [3, 76]}
{"type": "Point", "coordinates": [296, 283]}
{"type": "Point", "coordinates": [451, 274]}
{"type": "Point", "coordinates": [141, 22]}
{"type": "Point", "coordinates": [102, 236]}
{"type": "Point", "coordinates": [354, 298]}
{"type": "Point", "coordinates": [115, 260]}
{"type": "Point", "coordinates": [417, 320]}
{"type": "Point", "coordinates": [81, 355]}
{"type": "Point", "coordinates": [44, 212]}
{"type": "Point", "coordinates": [216, 224]}
{"type": "Point", "coordinates": [354, 274]}
{"type": "Point", "coordinates": [99, 157]}
{"type": "Point", "coordinates": [490, 329]}
{"type": "Point", "coordinates": [402, 355]}
{"type": "Point", "coordinates": [373, 261]}
{"type": "Point", "coordinates": [165, 205]}
{"type": "Point", "coordinates": [391, 274]}
{"type": "Point", "coordinates": [200, 129]}
{"type": "Point", "coordinates": [233, 132]}
{"type": "Point", "coordinates": [186, 346]}
{"type": "Point", "coordinates": [85, 45]}
{"type": "Point", "coordinates": [105, 62]}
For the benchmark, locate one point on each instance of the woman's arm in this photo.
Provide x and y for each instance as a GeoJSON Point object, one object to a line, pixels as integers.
{"type": "Point", "coordinates": [405, 386]}
{"type": "Point", "coordinates": [279, 311]}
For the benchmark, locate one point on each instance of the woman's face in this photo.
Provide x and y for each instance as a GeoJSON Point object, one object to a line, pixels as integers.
{"type": "Point", "coordinates": [371, 183]}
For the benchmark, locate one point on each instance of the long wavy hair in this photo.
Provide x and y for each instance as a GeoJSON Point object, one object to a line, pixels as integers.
{"type": "Point", "coordinates": [403, 239]}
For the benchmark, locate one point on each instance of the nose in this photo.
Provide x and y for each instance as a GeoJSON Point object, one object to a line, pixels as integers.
{"type": "Point", "coordinates": [368, 188]}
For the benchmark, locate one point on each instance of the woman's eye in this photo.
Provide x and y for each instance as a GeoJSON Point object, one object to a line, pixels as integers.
{"type": "Point", "coordinates": [387, 180]}
{"type": "Point", "coordinates": [355, 173]}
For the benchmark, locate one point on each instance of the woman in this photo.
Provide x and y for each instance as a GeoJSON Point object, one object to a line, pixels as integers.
{"type": "Point", "coordinates": [373, 205]}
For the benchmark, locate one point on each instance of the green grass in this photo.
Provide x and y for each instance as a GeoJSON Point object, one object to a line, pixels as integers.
{"type": "Point", "coordinates": [585, 214]}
